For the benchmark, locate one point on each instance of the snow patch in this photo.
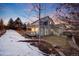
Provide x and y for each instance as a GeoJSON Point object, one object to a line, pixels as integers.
{"type": "Point", "coordinates": [9, 45]}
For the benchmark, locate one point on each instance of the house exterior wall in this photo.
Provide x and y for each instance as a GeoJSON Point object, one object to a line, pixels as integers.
{"type": "Point", "coordinates": [45, 26]}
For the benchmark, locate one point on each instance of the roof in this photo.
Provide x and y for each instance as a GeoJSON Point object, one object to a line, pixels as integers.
{"type": "Point", "coordinates": [43, 19]}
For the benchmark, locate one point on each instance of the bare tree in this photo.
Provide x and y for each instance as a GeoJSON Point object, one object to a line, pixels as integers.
{"type": "Point", "coordinates": [68, 12]}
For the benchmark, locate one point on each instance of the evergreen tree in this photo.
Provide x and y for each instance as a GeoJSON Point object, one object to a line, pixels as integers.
{"type": "Point", "coordinates": [11, 24]}
{"type": "Point", "coordinates": [1, 25]}
{"type": "Point", "coordinates": [18, 23]}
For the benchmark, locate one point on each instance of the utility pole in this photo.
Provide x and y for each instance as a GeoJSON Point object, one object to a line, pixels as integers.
{"type": "Point", "coordinates": [37, 9]}
{"type": "Point", "coordinates": [39, 22]}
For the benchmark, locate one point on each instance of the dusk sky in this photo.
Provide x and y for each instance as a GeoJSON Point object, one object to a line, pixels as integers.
{"type": "Point", "coordinates": [24, 11]}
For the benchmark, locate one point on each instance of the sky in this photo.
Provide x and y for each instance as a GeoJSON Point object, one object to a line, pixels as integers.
{"type": "Point", "coordinates": [26, 11]}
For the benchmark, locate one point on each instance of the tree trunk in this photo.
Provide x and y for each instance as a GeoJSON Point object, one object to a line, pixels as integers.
{"type": "Point", "coordinates": [73, 43]}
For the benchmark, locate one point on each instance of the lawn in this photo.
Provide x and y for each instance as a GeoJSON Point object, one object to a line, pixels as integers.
{"type": "Point", "coordinates": [54, 40]}
{"type": "Point", "coordinates": [57, 40]}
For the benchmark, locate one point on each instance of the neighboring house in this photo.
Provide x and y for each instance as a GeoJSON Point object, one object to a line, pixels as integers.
{"type": "Point", "coordinates": [62, 25]}
{"type": "Point", "coordinates": [59, 29]}
{"type": "Point", "coordinates": [46, 24]}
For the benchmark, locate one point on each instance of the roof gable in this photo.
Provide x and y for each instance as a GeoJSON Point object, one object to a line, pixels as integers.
{"type": "Point", "coordinates": [47, 18]}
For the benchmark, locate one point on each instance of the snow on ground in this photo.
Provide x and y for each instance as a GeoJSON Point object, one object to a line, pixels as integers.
{"type": "Point", "coordinates": [9, 45]}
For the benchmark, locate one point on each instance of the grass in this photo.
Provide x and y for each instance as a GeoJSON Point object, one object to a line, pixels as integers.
{"type": "Point", "coordinates": [56, 40]}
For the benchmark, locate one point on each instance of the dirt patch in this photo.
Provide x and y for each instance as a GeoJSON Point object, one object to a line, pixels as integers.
{"type": "Point", "coordinates": [71, 52]}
